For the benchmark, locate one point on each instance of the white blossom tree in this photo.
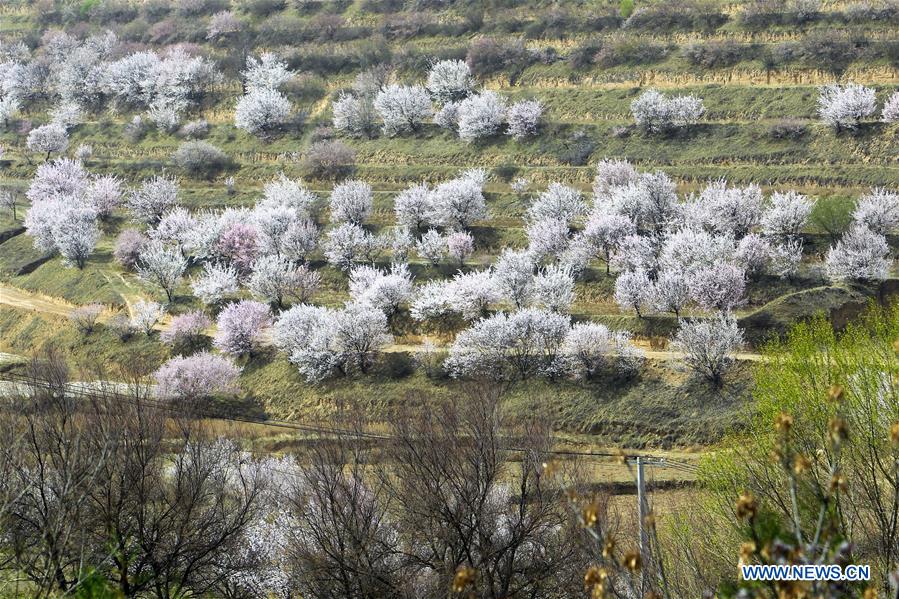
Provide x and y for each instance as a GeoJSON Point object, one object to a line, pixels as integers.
{"type": "Point", "coordinates": [547, 238]}
{"type": "Point", "coordinates": [448, 117]}
{"type": "Point", "coordinates": [290, 193]}
{"type": "Point", "coordinates": [299, 240]}
{"type": "Point", "coordinates": [431, 302]}
{"type": "Point", "coordinates": [153, 199]}
{"type": "Point", "coordinates": [634, 252]}
{"type": "Point", "coordinates": [650, 203]}
{"type": "Point", "coordinates": [591, 348]}
{"type": "Point", "coordinates": [40, 220]}
{"type": "Point", "coordinates": [105, 194]}
{"type": "Point", "coordinates": [505, 347]}
{"type": "Point", "coordinates": [344, 245]}
{"type": "Point", "coordinates": [878, 211]}
{"type": "Point", "coordinates": [360, 333]}
{"type": "Point", "coordinates": [577, 255]}
{"type": "Point", "coordinates": [162, 265]}
{"type": "Point", "coordinates": [414, 207]}
{"type": "Point", "coordinates": [719, 286]}
{"type": "Point", "coordinates": [272, 222]}
{"type": "Point", "coordinates": [354, 115]}
{"type": "Point", "coordinates": [785, 258]}
{"type": "Point", "coordinates": [656, 113]}
{"type": "Point", "coordinates": [262, 111]}
{"type": "Point", "coordinates": [146, 314]}
{"type": "Point", "coordinates": [459, 246]}
{"type": "Point", "coordinates": [481, 115]}
{"type": "Point", "coordinates": [633, 291]}
{"type": "Point", "coordinates": [514, 277]}
{"type": "Point", "coordinates": [709, 345]}
{"type": "Point", "coordinates": [401, 241]}
{"type": "Point", "coordinates": [295, 326]}
{"type": "Point", "coordinates": [523, 118]}
{"type": "Point", "coordinates": [351, 202]}
{"type": "Point", "coordinates": [386, 291]}
{"type": "Point", "coordinates": [890, 112]}
{"type": "Point", "coordinates": [275, 278]}
{"type": "Point", "coordinates": [860, 254]}
{"type": "Point", "coordinates": [268, 72]}
{"type": "Point", "coordinates": [611, 173]}
{"type": "Point", "coordinates": [48, 139]}
{"type": "Point", "coordinates": [9, 107]}
{"type": "Point", "coordinates": [670, 292]}
{"type": "Point", "coordinates": [558, 202]}
{"type": "Point", "coordinates": [688, 249]}
{"type": "Point", "coordinates": [786, 215]}
{"type": "Point", "coordinates": [75, 234]}
{"type": "Point", "coordinates": [431, 246]}
{"type": "Point", "coordinates": [449, 81]}
{"type": "Point", "coordinates": [217, 282]}
{"type": "Point", "coordinates": [241, 326]}
{"type": "Point", "coordinates": [402, 108]}
{"type": "Point", "coordinates": [472, 293]}
{"type": "Point", "coordinates": [726, 210]}
{"type": "Point", "coordinates": [67, 114]}
{"type": "Point", "coordinates": [175, 228]}
{"type": "Point", "coordinates": [460, 202]}
{"type": "Point", "coordinates": [843, 106]}
{"type": "Point", "coordinates": [61, 178]}
{"type": "Point", "coordinates": [324, 342]}
{"type": "Point", "coordinates": [754, 254]}
{"type": "Point", "coordinates": [554, 288]}
{"type": "Point", "coordinates": [604, 231]}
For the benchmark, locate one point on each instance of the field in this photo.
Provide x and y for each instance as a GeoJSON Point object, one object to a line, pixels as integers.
{"type": "Point", "coordinates": [746, 100]}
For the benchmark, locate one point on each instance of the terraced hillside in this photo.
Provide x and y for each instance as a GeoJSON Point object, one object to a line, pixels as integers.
{"type": "Point", "coordinates": [757, 66]}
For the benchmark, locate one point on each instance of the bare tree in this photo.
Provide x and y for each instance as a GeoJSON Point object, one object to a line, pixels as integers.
{"type": "Point", "coordinates": [48, 477]}
{"type": "Point", "coordinates": [345, 544]}
{"type": "Point", "coordinates": [113, 484]}
{"type": "Point", "coordinates": [461, 506]}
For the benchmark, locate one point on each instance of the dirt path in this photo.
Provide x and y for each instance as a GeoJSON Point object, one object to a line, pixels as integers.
{"type": "Point", "coordinates": [26, 300]}
{"type": "Point", "coordinates": [35, 302]}
{"type": "Point", "coordinates": [19, 298]}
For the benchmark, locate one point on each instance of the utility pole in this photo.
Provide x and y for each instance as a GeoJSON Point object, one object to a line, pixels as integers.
{"type": "Point", "coordinates": [642, 512]}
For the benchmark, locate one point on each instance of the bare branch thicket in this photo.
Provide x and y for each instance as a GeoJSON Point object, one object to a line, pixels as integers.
{"type": "Point", "coordinates": [113, 486]}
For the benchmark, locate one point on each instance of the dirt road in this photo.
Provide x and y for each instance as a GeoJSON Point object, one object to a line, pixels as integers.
{"type": "Point", "coordinates": [26, 300]}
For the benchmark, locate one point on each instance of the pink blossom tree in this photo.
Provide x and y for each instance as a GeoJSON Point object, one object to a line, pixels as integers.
{"type": "Point", "coordinates": [197, 376]}
{"type": "Point", "coordinates": [186, 330]}
{"type": "Point", "coordinates": [238, 244]}
{"type": "Point", "coordinates": [718, 287]}
{"type": "Point", "coordinates": [241, 326]}
{"type": "Point", "coordinates": [460, 245]}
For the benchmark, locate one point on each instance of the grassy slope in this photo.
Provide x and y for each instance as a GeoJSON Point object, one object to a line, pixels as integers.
{"type": "Point", "coordinates": [742, 102]}
{"type": "Point", "coordinates": [663, 407]}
